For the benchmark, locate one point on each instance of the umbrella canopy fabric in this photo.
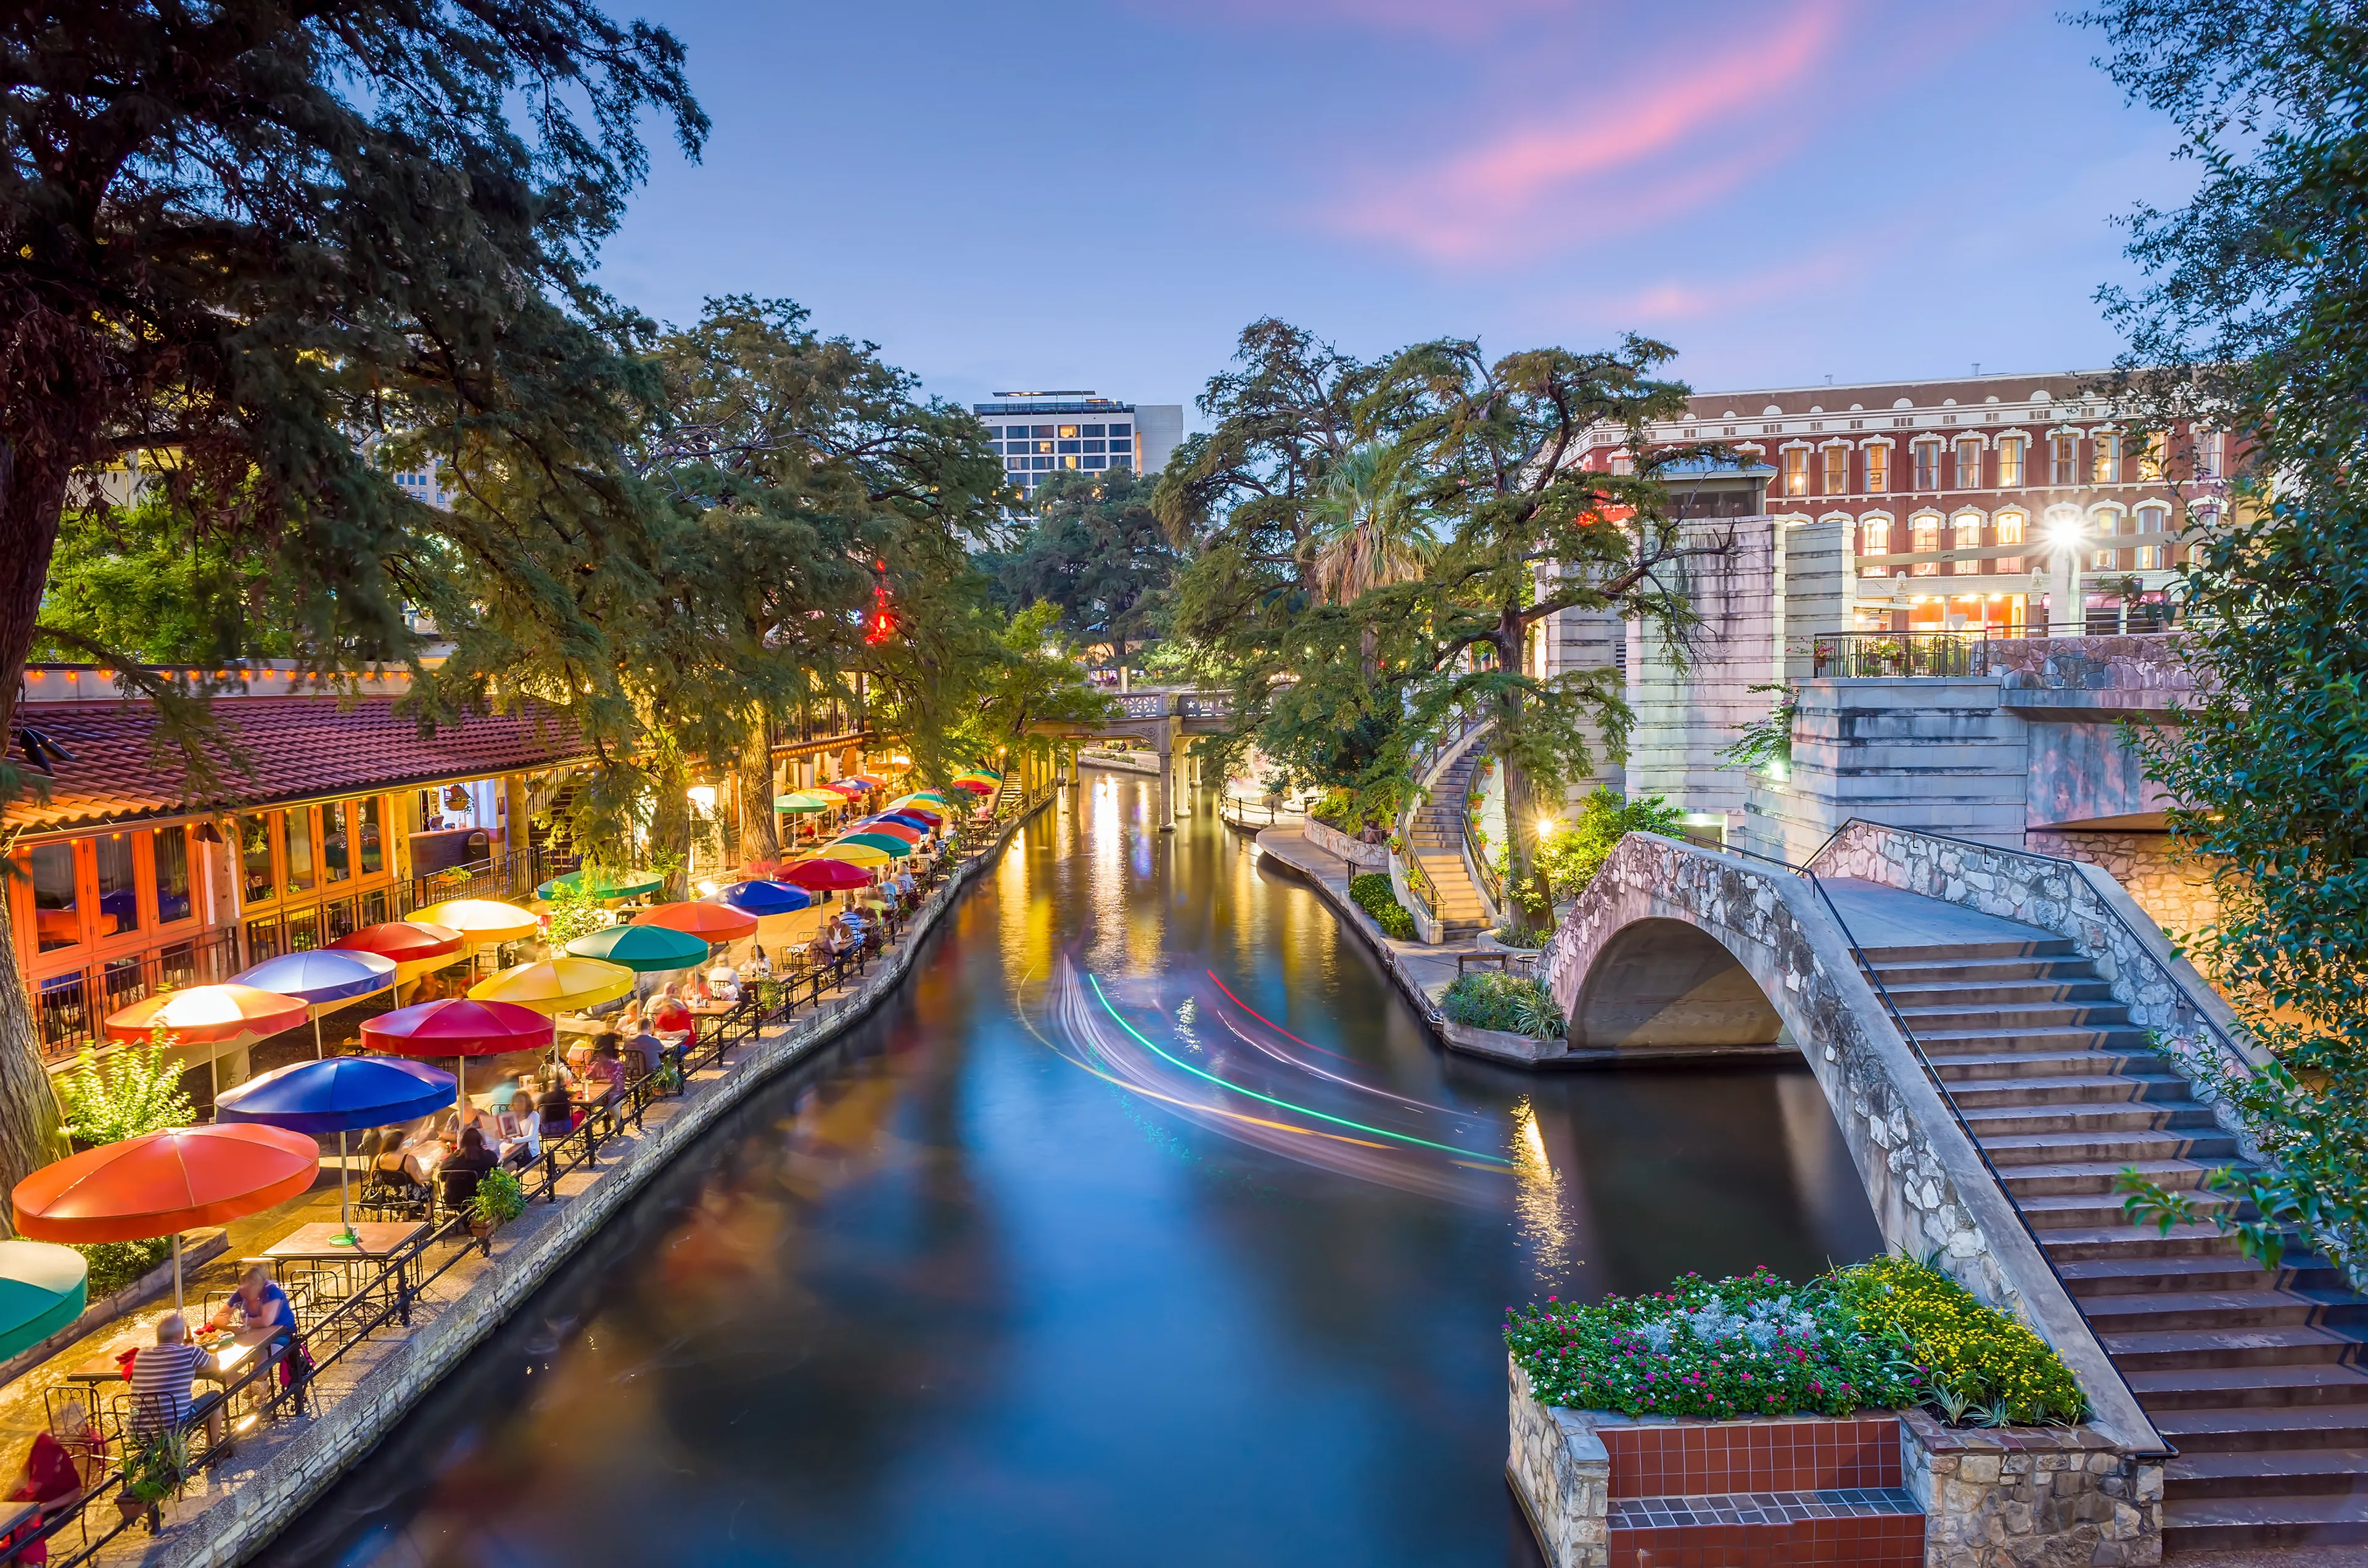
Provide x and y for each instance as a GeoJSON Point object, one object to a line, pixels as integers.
{"type": "Point", "coordinates": [976, 786]}
{"type": "Point", "coordinates": [457, 1026]}
{"type": "Point", "coordinates": [854, 854]}
{"type": "Point", "coordinates": [763, 898]}
{"type": "Point", "coordinates": [42, 1289]}
{"type": "Point", "coordinates": [808, 800]}
{"type": "Point", "coordinates": [827, 875]}
{"type": "Point", "coordinates": [320, 975]}
{"type": "Point", "coordinates": [340, 1094]}
{"type": "Point", "coordinates": [716, 922]}
{"type": "Point", "coordinates": [210, 1015]}
{"type": "Point", "coordinates": [888, 844]}
{"type": "Point", "coordinates": [162, 1183]}
{"type": "Point", "coordinates": [556, 985]}
{"type": "Point", "coordinates": [481, 921]}
{"type": "Point", "coordinates": [602, 884]}
{"type": "Point", "coordinates": [936, 795]}
{"type": "Point", "coordinates": [912, 819]}
{"type": "Point", "coordinates": [904, 832]}
{"type": "Point", "coordinates": [404, 941]}
{"type": "Point", "coordinates": [644, 949]}
{"type": "Point", "coordinates": [867, 780]}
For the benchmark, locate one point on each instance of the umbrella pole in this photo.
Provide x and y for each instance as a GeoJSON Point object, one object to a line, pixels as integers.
{"type": "Point", "coordinates": [317, 1052]}
{"type": "Point", "coordinates": [176, 1271]}
{"type": "Point", "coordinates": [344, 1202]}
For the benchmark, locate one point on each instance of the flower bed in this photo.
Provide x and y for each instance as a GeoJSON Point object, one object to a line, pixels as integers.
{"type": "Point", "coordinates": [1882, 1335]}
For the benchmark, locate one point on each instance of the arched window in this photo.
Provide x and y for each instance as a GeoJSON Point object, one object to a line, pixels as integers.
{"type": "Point", "coordinates": [2009, 451]}
{"type": "Point", "coordinates": [2104, 525]}
{"type": "Point", "coordinates": [1926, 529]}
{"type": "Point", "coordinates": [1966, 535]}
{"type": "Point", "coordinates": [1837, 475]}
{"type": "Point", "coordinates": [1873, 538]}
{"type": "Point", "coordinates": [1878, 469]}
{"type": "Point", "coordinates": [2011, 527]}
{"type": "Point", "coordinates": [2151, 557]}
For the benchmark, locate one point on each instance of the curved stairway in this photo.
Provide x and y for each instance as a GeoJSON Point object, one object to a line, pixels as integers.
{"type": "Point", "coordinates": [2255, 1377]}
{"type": "Point", "coordinates": [1435, 842]}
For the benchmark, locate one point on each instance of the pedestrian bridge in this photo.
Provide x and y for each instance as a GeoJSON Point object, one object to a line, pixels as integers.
{"type": "Point", "coordinates": [1160, 720]}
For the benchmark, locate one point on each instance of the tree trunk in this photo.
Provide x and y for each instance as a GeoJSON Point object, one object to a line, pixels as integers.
{"type": "Point", "coordinates": [29, 1105]}
{"type": "Point", "coordinates": [760, 836]}
{"type": "Point", "coordinates": [670, 822]}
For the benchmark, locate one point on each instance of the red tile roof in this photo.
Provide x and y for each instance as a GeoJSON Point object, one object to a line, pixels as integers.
{"type": "Point", "coordinates": [300, 749]}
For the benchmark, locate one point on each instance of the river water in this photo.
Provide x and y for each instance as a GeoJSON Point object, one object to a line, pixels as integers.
{"type": "Point", "coordinates": [1145, 1226]}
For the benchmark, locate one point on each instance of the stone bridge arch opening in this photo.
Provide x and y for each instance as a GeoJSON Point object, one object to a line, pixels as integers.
{"type": "Point", "coordinates": [1661, 983]}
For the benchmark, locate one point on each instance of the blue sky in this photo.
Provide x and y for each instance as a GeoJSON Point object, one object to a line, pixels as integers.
{"type": "Point", "coordinates": [1064, 194]}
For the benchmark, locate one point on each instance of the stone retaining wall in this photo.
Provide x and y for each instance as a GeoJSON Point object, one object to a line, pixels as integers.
{"type": "Point", "coordinates": [1332, 841]}
{"type": "Point", "coordinates": [2175, 892]}
{"type": "Point", "coordinates": [231, 1530]}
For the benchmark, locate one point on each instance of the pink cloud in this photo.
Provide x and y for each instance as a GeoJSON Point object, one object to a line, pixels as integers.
{"type": "Point", "coordinates": [1670, 299]}
{"type": "Point", "coordinates": [1613, 162]}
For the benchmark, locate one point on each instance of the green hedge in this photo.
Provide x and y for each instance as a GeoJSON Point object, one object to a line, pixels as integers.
{"type": "Point", "coordinates": [1373, 894]}
{"type": "Point", "coordinates": [1513, 1004]}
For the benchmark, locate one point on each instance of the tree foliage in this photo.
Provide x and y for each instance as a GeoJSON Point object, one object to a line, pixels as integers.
{"type": "Point", "coordinates": [1096, 551]}
{"type": "Point", "coordinates": [2253, 318]}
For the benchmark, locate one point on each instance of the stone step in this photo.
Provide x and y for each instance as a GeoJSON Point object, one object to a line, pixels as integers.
{"type": "Point", "coordinates": [2115, 1239]}
{"type": "Point", "coordinates": [2069, 1089]}
{"type": "Point", "coordinates": [2235, 1309]}
{"type": "Point", "coordinates": [2282, 1472]}
{"type": "Point", "coordinates": [2119, 1041]}
{"type": "Point", "coordinates": [1996, 994]}
{"type": "Point", "coordinates": [2090, 1278]}
{"type": "Point", "coordinates": [2167, 1349]}
{"type": "Point", "coordinates": [2078, 1147]}
{"type": "Point", "coordinates": [1882, 957]}
{"type": "Point", "coordinates": [2254, 1387]}
{"type": "Point", "coordinates": [2228, 1523]}
{"type": "Point", "coordinates": [1988, 1120]}
{"type": "Point", "coordinates": [1911, 973]}
{"type": "Point", "coordinates": [2255, 1429]}
{"type": "Point", "coordinates": [2051, 1016]}
{"type": "Point", "coordinates": [2089, 1177]}
{"type": "Point", "coordinates": [1956, 1067]}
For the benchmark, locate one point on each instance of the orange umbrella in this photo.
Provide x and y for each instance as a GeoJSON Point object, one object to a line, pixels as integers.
{"type": "Point", "coordinates": [163, 1183]}
{"type": "Point", "coordinates": [208, 1015]}
{"type": "Point", "coordinates": [716, 922]}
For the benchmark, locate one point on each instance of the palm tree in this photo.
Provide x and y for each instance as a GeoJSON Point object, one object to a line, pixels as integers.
{"type": "Point", "coordinates": [1369, 533]}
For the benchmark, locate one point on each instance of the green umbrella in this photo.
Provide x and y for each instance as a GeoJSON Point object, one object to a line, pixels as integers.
{"type": "Point", "coordinates": [603, 884]}
{"type": "Point", "coordinates": [887, 844]}
{"type": "Point", "coordinates": [807, 800]}
{"type": "Point", "coordinates": [41, 1292]}
{"type": "Point", "coordinates": [645, 950]}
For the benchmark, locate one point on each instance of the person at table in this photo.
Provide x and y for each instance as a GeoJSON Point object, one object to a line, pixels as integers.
{"type": "Point", "coordinates": [487, 1124]}
{"type": "Point", "coordinates": [520, 1126]}
{"type": "Point", "coordinates": [723, 983]}
{"type": "Point", "coordinates": [757, 967]}
{"type": "Point", "coordinates": [160, 1376]}
{"type": "Point", "coordinates": [259, 1304]}
{"type": "Point", "coordinates": [554, 1109]}
{"type": "Point", "coordinates": [668, 1016]}
{"type": "Point", "coordinates": [60, 1466]}
{"type": "Point", "coordinates": [907, 890]}
{"type": "Point", "coordinates": [456, 1183]}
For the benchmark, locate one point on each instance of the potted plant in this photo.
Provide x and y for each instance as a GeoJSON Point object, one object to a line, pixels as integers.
{"type": "Point", "coordinates": [156, 1470]}
{"type": "Point", "coordinates": [500, 1199]}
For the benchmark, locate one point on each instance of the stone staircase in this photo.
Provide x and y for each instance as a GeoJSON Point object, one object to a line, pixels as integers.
{"type": "Point", "coordinates": [1435, 842]}
{"type": "Point", "coordinates": [2255, 1377]}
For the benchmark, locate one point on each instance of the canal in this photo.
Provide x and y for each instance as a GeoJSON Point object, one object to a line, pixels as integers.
{"type": "Point", "coordinates": [1147, 1225]}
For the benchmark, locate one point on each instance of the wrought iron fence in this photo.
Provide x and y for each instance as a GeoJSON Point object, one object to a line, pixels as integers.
{"type": "Point", "coordinates": [1861, 655]}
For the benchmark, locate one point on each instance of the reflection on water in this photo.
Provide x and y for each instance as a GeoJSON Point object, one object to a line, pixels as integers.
{"type": "Point", "coordinates": [1147, 1225]}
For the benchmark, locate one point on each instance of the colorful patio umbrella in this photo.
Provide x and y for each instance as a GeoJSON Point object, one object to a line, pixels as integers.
{"type": "Point", "coordinates": [976, 785]}
{"type": "Point", "coordinates": [764, 898]}
{"type": "Point", "coordinates": [404, 941]}
{"type": "Point", "coordinates": [904, 832]}
{"type": "Point", "coordinates": [338, 1095]}
{"type": "Point", "coordinates": [602, 884]}
{"type": "Point", "coordinates": [888, 844]}
{"type": "Point", "coordinates": [42, 1289]}
{"type": "Point", "coordinates": [852, 855]}
{"type": "Point", "coordinates": [716, 922]}
{"type": "Point", "coordinates": [556, 985]}
{"type": "Point", "coordinates": [458, 1028]}
{"type": "Point", "coordinates": [160, 1184]}
{"type": "Point", "coordinates": [210, 1015]}
{"type": "Point", "coordinates": [644, 949]}
{"type": "Point", "coordinates": [828, 875]}
{"type": "Point", "coordinates": [321, 979]}
{"type": "Point", "coordinates": [912, 819]}
{"type": "Point", "coordinates": [482, 921]}
{"type": "Point", "coordinates": [844, 789]}
{"type": "Point", "coordinates": [867, 780]}
{"type": "Point", "coordinates": [808, 800]}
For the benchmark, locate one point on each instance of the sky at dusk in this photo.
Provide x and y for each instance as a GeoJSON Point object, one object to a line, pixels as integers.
{"type": "Point", "coordinates": [1069, 195]}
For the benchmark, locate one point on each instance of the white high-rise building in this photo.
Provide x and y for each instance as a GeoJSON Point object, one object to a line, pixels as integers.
{"type": "Point", "coordinates": [1039, 433]}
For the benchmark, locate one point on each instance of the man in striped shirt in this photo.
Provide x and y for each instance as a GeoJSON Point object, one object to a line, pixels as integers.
{"type": "Point", "coordinates": [160, 1382]}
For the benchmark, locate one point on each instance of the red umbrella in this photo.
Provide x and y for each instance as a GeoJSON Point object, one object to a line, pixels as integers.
{"type": "Point", "coordinates": [715, 922]}
{"type": "Point", "coordinates": [457, 1026]}
{"type": "Point", "coordinates": [210, 1015]}
{"type": "Point", "coordinates": [826, 875]}
{"type": "Point", "coordinates": [163, 1183]}
{"type": "Point", "coordinates": [404, 941]}
{"type": "Point", "coordinates": [976, 786]}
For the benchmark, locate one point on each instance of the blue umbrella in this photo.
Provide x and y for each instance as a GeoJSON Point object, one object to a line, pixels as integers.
{"type": "Point", "coordinates": [319, 976]}
{"type": "Point", "coordinates": [337, 1095]}
{"type": "Point", "coordinates": [906, 820]}
{"type": "Point", "coordinates": [761, 899]}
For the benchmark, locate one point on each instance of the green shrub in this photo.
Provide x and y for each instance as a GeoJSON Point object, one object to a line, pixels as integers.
{"type": "Point", "coordinates": [114, 1265]}
{"type": "Point", "coordinates": [1511, 1002]}
{"type": "Point", "coordinates": [138, 1091]}
{"type": "Point", "coordinates": [501, 1198]}
{"type": "Point", "coordinates": [1373, 894]}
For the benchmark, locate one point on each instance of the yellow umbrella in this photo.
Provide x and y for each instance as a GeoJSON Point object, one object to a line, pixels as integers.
{"type": "Point", "coordinates": [482, 921]}
{"type": "Point", "coordinates": [853, 854]}
{"type": "Point", "coordinates": [556, 985]}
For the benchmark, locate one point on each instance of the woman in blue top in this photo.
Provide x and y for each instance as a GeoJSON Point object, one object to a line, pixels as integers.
{"type": "Point", "coordinates": [260, 1303]}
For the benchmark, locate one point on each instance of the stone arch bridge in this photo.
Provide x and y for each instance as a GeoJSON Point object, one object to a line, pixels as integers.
{"type": "Point", "coordinates": [1160, 720]}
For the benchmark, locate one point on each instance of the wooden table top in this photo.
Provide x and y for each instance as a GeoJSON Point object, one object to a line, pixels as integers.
{"type": "Point", "coordinates": [377, 1238]}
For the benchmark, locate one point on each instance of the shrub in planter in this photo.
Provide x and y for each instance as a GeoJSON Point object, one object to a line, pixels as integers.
{"type": "Point", "coordinates": [1373, 894]}
{"type": "Point", "coordinates": [1984, 1365]}
{"type": "Point", "coordinates": [1510, 1003]}
{"type": "Point", "coordinates": [501, 1198]}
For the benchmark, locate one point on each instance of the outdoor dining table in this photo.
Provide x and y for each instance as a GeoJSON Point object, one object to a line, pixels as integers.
{"type": "Point", "coordinates": [224, 1353]}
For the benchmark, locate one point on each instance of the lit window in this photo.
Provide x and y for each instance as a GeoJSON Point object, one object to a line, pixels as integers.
{"type": "Point", "coordinates": [1069, 462]}
{"type": "Point", "coordinates": [2105, 525]}
{"type": "Point", "coordinates": [336, 863]}
{"type": "Point", "coordinates": [1967, 527]}
{"type": "Point", "coordinates": [2009, 531]}
{"type": "Point", "coordinates": [2150, 459]}
{"type": "Point", "coordinates": [374, 856]}
{"type": "Point", "coordinates": [1878, 469]}
{"type": "Point", "coordinates": [1068, 432]}
{"type": "Point", "coordinates": [2009, 451]}
{"type": "Point", "coordinates": [1969, 465]}
{"type": "Point", "coordinates": [171, 852]}
{"type": "Point", "coordinates": [119, 884]}
{"type": "Point", "coordinates": [1928, 542]}
{"type": "Point", "coordinates": [1796, 472]}
{"type": "Point", "coordinates": [2106, 465]}
{"type": "Point", "coordinates": [2065, 459]}
{"type": "Point", "coordinates": [1927, 465]}
{"type": "Point", "coordinates": [1873, 538]}
{"type": "Point", "coordinates": [56, 920]}
{"type": "Point", "coordinates": [1836, 470]}
{"type": "Point", "coordinates": [300, 849]}
{"type": "Point", "coordinates": [255, 859]}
